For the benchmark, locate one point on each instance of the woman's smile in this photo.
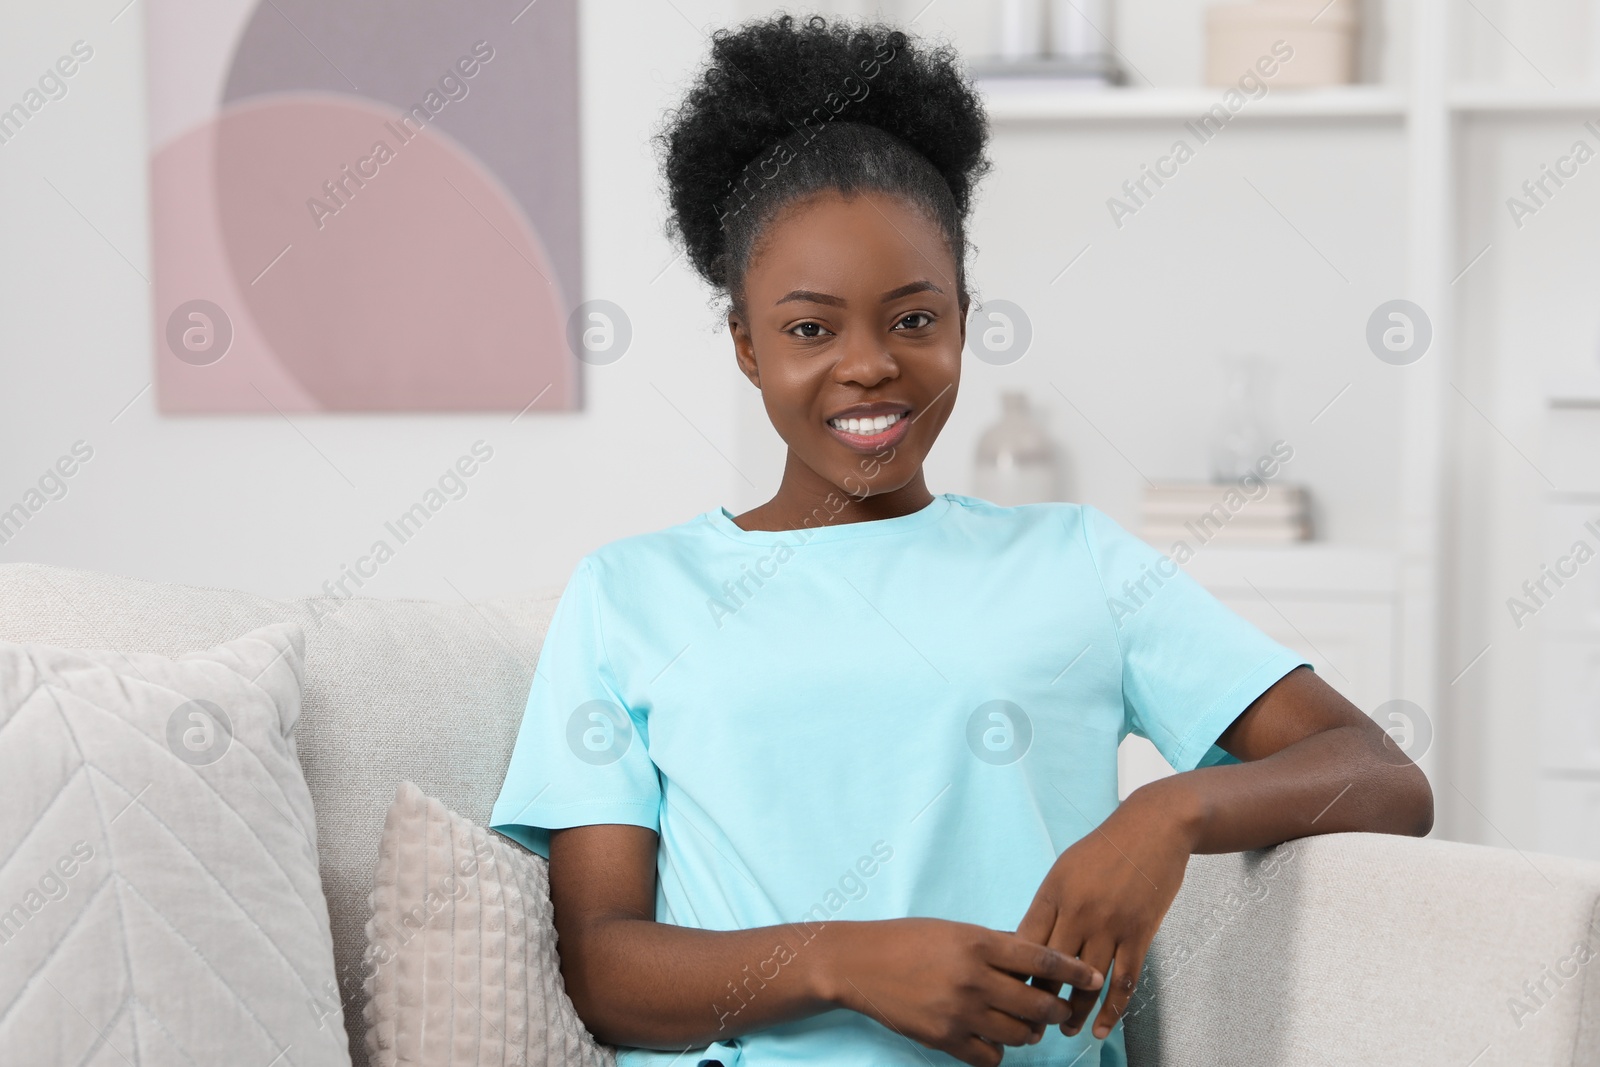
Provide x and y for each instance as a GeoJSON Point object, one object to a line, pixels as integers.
{"type": "Point", "coordinates": [871, 428]}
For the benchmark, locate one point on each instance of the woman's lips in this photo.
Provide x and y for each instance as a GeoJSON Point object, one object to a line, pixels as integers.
{"type": "Point", "coordinates": [871, 443]}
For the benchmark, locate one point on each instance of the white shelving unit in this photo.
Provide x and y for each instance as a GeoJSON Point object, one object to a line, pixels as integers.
{"type": "Point", "coordinates": [1012, 100]}
{"type": "Point", "coordinates": [1498, 100]}
{"type": "Point", "coordinates": [1405, 582]}
{"type": "Point", "coordinates": [1569, 676]}
{"type": "Point", "coordinates": [1408, 587]}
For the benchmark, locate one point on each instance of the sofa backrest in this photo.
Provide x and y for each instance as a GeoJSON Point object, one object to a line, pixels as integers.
{"type": "Point", "coordinates": [1339, 949]}
{"type": "Point", "coordinates": [394, 689]}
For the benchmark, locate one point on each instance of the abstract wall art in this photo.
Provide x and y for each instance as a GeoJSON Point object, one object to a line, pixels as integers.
{"type": "Point", "coordinates": [364, 205]}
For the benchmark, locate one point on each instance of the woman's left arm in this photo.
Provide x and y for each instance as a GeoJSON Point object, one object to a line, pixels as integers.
{"type": "Point", "coordinates": [1314, 763]}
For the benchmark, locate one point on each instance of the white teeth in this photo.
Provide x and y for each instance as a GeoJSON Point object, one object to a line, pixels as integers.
{"type": "Point", "coordinates": [865, 427]}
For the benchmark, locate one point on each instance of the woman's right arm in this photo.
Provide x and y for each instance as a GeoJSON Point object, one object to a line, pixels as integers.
{"type": "Point", "coordinates": [956, 987]}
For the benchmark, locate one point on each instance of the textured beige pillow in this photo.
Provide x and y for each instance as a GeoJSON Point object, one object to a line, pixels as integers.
{"type": "Point", "coordinates": [461, 965]}
{"type": "Point", "coordinates": [159, 899]}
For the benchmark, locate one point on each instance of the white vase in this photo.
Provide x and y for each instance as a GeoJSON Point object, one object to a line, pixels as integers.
{"type": "Point", "coordinates": [1021, 29]}
{"type": "Point", "coordinates": [1079, 28]}
{"type": "Point", "coordinates": [1240, 437]}
{"type": "Point", "coordinates": [1016, 462]}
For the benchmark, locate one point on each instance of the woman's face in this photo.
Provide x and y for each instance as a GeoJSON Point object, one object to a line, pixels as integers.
{"type": "Point", "coordinates": [851, 312]}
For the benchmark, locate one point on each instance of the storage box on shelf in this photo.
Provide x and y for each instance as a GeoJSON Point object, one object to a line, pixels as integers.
{"type": "Point", "coordinates": [1319, 39]}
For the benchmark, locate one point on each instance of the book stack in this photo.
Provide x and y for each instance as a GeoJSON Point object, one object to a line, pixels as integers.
{"type": "Point", "coordinates": [1230, 513]}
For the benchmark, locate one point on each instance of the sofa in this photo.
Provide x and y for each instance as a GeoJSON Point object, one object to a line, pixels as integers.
{"type": "Point", "coordinates": [1338, 949]}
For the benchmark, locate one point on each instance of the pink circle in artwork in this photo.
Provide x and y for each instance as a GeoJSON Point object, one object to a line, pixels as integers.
{"type": "Point", "coordinates": [386, 268]}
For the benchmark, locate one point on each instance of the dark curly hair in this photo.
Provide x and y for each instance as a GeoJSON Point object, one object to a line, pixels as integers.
{"type": "Point", "coordinates": [785, 108]}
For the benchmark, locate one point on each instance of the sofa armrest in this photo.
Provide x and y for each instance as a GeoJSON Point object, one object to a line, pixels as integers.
{"type": "Point", "coordinates": [1370, 948]}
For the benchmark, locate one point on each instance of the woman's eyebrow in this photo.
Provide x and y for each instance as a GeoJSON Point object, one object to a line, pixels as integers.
{"type": "Point", "coordinates": [810, 297]}
{"type": "Point", "coordinates": [923, 286]}
{"type": "Point", "coordinates": [813, 297]}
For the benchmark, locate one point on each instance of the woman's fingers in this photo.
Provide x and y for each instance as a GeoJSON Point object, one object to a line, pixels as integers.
{"type": "Point", "coordinates": [1040, 920]}
{"type": "Point", "coordinates": [1124, 977]}
{"type": "Point", "coordinates": [1004, 1029]}
{"type": "Point", "coordinates": [1029, 959]}
{"type": "Point", "coordinates": [1097, 953]}
{"type": "Point", "coordinates": [978, 1052]}
{"type": "Point", "coordinates": [996, 1029]}
{"type": "Point", "coordinates": [1036, 926]}
{"type": "Point", "coordinates": [1036, 1008]}
{"type": "Point", "coordinates": [1069, 943]}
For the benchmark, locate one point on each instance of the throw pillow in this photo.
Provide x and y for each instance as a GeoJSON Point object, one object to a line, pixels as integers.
{"type": "Point", "coordinates": [159, 899]}
{"type": "Point", "coordinates": [461, 964]}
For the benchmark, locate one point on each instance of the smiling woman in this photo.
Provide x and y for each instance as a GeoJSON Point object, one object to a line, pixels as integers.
{"type": "Point", "coordinates": [892, 179]}
{"type": "Point", "coordinates": [861, 659]}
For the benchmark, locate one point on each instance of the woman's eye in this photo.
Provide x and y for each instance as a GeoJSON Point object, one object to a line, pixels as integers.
{"type": "Point", "coordinates": [915, 321]}
{"type": "Point", "coordinates": [808, 329]}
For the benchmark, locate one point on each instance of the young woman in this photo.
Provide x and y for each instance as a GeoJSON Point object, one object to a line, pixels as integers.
{"type": "Point", "coordinates": [835, 781]}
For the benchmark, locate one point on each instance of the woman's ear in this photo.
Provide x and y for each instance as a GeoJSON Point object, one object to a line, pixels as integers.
{"type": "Point", "coordinates": [744, 349]}
{"type": "Point", "coordinates": [966, 302]}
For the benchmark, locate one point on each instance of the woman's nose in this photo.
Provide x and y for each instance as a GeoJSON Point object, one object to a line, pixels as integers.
{"type": "Point", "coordinates": [865, 359]}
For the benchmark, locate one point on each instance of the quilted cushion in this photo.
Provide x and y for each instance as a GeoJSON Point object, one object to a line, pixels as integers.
{"type": "Point", "coordinates": [461, 949]}
{"type": "Point", "coordinates": [160, 891]}
{"type": "Point", "coordinates": [394, 689]}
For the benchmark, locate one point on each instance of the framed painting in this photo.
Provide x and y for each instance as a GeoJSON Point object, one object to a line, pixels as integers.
{"type": "Point", "coordinates": [364, 205]}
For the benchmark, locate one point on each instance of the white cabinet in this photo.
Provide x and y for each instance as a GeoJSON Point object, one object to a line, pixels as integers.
{"type": "Point", "coordinates": [1571, 593]}
{"type": "Point", "coordinates": [1567, 624]}
{"type": "Point", "coordinates": [1569, 704]}
{"type": "Point", "coordinates": [1569, 816]}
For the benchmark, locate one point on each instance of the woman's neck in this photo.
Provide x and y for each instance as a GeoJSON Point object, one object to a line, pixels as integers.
{"type": "Point", "coordinates": [806, 499]}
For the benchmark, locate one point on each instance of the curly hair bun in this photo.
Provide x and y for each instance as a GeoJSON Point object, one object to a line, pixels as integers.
{"type": "Point", "coordinates": [780, 82]}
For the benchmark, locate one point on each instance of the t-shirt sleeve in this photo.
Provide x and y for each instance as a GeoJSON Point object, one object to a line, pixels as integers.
{"type": "Point", "coordinates": [581, 756]}
{"type": "Point", "coordinates": [1190, 664]}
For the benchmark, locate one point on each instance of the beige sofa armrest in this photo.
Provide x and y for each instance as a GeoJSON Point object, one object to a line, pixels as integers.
{"type": "Point", "coordinates": [1374, 949]}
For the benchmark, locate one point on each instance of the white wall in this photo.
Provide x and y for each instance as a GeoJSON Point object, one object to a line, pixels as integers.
{"type": "Point", "coordinates": [262, 504]}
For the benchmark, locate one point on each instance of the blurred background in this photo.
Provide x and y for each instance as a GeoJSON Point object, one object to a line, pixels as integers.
{"type": "Point", "coordinates": [1373, 265]}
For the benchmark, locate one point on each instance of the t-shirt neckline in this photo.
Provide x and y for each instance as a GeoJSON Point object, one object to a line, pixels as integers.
{"type": "Point", "coordinates": [721, 519]}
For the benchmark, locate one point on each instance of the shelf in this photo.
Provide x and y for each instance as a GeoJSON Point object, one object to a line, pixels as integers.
{"type": "Point", "coordinates": [1021, 99]}
{"type": "Point", "coordinates": [1500, 100]}
{"type": "Point", "coordinates": [1574, 391]}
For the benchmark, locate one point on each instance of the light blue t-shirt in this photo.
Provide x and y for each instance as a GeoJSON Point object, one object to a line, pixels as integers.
{"type": "Point", "coordinates": [900, 717]}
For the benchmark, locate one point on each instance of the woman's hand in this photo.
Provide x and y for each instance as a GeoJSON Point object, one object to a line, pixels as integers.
{"type": "Point", "coordinates": [1106, 895]}
{"type": "Point", "coordinates": [955, 987]}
